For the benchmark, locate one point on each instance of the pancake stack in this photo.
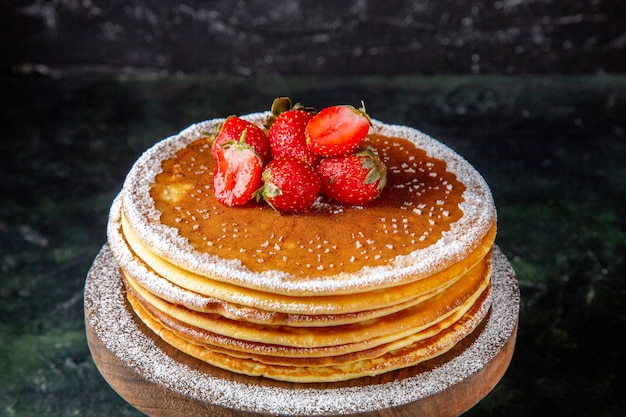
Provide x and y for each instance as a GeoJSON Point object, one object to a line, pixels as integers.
{"type": "Point", "coordinates": [329, 294]}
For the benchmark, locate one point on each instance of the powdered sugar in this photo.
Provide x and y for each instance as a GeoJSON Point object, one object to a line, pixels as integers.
{"type": "Point", "coordinates": [454, 245]}
{"type": "Point", "coordinates": [116, 328]}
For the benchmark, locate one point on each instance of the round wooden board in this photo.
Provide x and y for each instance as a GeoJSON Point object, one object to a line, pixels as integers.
{"type": "Point", "coordinates": [161, 381]}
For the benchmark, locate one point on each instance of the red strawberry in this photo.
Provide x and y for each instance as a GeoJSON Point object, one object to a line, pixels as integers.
{"type": "Point", "coordinates": [352, 179]}
{"type": "Point", "coordinates": [231, 130]}
{"type": "Point", "coordinates": [237, 174]}
{"type": "Point", "coordinates": [337, 130]}
{"type": "Point", "coordinates": [289, 184]}
{"type": "Point", "coordinates": [287, 131]}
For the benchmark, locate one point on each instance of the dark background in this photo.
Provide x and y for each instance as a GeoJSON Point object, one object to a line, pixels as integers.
{"type": "Point", "coordinates": [531, 92]}
{"type": "Point", "coordinates": [290, 37]}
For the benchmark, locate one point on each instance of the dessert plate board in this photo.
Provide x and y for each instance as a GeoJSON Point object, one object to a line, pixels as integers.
{"type": "Point", "coordinates": [161, 381]}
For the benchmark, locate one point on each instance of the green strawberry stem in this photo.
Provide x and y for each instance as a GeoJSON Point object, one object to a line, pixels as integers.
{"type": "Point", "coordinates": [376, 169]}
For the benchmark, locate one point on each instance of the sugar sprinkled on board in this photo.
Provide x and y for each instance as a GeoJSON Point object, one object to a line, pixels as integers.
{"type": "Point", "coordinates": [116, 328]}
{"type": "Point", "coordinates": [104, 294]}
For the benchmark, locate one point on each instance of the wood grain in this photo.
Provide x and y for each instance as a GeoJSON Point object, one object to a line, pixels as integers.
{"type": "Point", "coordinates": [155, 399]}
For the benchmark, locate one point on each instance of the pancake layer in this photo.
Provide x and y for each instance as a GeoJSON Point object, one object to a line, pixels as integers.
{"type": "Point", "coordinates": [330, 294]}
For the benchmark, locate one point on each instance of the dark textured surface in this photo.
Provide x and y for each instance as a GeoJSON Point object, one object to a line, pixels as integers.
{"type": "Point", "coordinates": [88, 85]}
{"type": "Point", "coordinates": [289, 37]}
{"type": "Point", "coordinates": [551, 148]}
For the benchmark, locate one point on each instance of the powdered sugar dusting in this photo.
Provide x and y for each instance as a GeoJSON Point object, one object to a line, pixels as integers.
{"type": "Point", "coordinates": [140, 272]}
{"type": "Point", "coordinates": [478, 209]}
{"type": "Point", "coordinates": [164, 288]}
{"type": "Point", "coordinates": [115, 326]}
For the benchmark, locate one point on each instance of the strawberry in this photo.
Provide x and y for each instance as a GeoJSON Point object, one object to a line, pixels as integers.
{"type": "Point", "coordinates": [337, 130]}
{"type": "Point", "coordinates": [231, 130]}
{"type": "Point", "coordinates": [287, 131]}
{"type": "Point", "coordinates": [352, 179]}
{"type": "Point", "coordinates": [237, 173]}
{"type": "Point", "coordinates": [289, 184]}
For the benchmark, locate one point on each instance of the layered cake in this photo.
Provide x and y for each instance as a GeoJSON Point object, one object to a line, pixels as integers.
{"type": "Point", "coordinates": [329, 293]}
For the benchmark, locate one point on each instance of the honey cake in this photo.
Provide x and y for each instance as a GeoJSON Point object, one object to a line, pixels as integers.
{"type": "Point", "coordinates": [335, 285]}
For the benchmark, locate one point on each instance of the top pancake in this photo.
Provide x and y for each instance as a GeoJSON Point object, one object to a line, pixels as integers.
{"type": "Point", "coordinates": [434, 212]}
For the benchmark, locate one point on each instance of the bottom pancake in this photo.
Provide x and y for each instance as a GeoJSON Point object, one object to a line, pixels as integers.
{"type": "Point", "coordinates": [269, 351]}
{"type": "Point", "coordinates": [441, 338]}
{"type": "Point", "coordinates": [382, 329]}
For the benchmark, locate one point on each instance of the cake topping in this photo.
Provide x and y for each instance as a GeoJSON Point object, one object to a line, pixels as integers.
{"type": "Point", "coordinates": [298, 139]}
{"type": "Point", "coordinates": [286, 134]}
{"type": "Point", "coordinates": [232, 130]}
{"type": "Point", "coordinates": [337, 130]}
{"type": "Point", "coordinates": [237, 172]}
{"type": "Point", "coordinates": [289, 184]}
{"type": "Point", "coordinates": [356, 178]}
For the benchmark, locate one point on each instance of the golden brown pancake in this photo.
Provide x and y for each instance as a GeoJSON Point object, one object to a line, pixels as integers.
{"type": "Point", "coordinates": [331, 293]}
{"type": "Point", "coordinates": [205, 295]}
{"type": "Point", "coordinates": [439, 339]}
{"type": "Point", "coordinates": [383, 329]}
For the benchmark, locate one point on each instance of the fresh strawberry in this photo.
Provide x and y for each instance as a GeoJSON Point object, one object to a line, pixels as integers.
{"type": "Point", "coordinates": [231, 130]}
{"type": "Point", "coordinates": [237, 173]}
{"type": "Point", "coordinates": [337, 130]}
{"type": "Point", "coordinates": [287, 131]}
{"type": "Point", "coordinates": [289, 184]}
{"type": "Point", "coordinates": [352, 179]}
